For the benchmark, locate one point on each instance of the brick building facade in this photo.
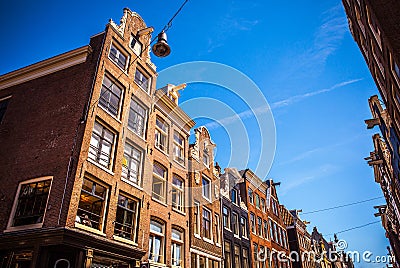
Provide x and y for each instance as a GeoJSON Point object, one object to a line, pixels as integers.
{"type": "Point", "coordinates": [374, 26]}
{"type": "Point", "coordinates": [101, 158]}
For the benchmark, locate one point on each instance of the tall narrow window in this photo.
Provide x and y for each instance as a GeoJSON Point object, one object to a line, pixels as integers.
{"type": "Point", "coordinates": [136, 46]}
{"type": "Point", "coordinates": [117, 57]}
{"type": "Point", "coordinates": [217, 229]}
{"type": "Point", "coordinates": [30, 204]}
{"type": "Point", "coordinates": [235, 223]}
{"type": "Point", "coordinates": [131, 164]}
{"type": "Point", "coordinates": [206, 188]}
{"type": "Point", "coordinates": [143, 80]}
{"type": "Point", "coordinates": [206, 158]}
{"type": "Point", "coordinates": [266, 229]}
{"type": "Point", "coordinates": [126, 218]}
{"type": "Point", "coordinates": [92, 203]}
{"type": "Point", "coordinates": [257, 201]}
{"type": "Point", "coordinates": [253, 223]}
{"type": "Point", "coordinates": [177, 248]}
{"type": "Point", "coordinates": [101, 145]}
{"type": "Point", "coordinates": [236, 251]}
{"type": "Point", "coordinates": [137, 118]}
{"type": "Point", "coordinates": [206, 223]}
{"type": "Point", "coordinates": [161, 135]}
{"type": "Point", "coordinates": [156, 242]}
{"type": "Point", "coordinates": [262, 257]}
{"type": "Point", "coordinates": [259, 226]}
{"type": "Point", "coordinates": [255, 252]}
{"type": "Point", "coordinates": [3, 107]}
{"type": "Point", "coordinates": [110, 96]}
{"type": "Point", "coordinates": [196, 218]}
{"type": "Point", "coordinates": [262, 204]}
{"type": "Point", "coordinates": [271, 231]}
{"type": "Point", "coordinates": [159, 181]}
{"type": "Point", "coordinates": [245, 254]}
{"type": "Point", "coordinates": [226, 218]}
{"type": "Point", "coordinates": [228, 255]}
{"type": "Point", "coordinates": [179, 148]}
{"type": "Point", "coordinates": [177, 193]}
{"type": "Point", "coordinates": [234, 197]}
{"type": "Point", "coordinates": [250, 194]}
{"type": "Point", "coordinates": [243, 226]}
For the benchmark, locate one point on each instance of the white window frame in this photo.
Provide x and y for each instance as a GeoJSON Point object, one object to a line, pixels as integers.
{"type": "Point", "coordinates": [134, 113]}
{"type": "Point", "coordinates": [210, 238]}
{"type": "Point", "coordinates": [153, 235]}
{"type": "Point", "coordinates": [135, 220]}
{"type": "Point", "coordinates": [227, 217]}
{"type": "Point", "coordinates": [204, 188]}
{"type": "Point", "coordinates": [161, 135]}
{"type": "Point", "coordinates": [243, 226]}
{"type": "Point", "coordinates": [217, 229]}
{"type": "Point", "coordinates": [235, 224]}
{"type": "Point", "coordinates": [179, 148]}
{"type": "Point", "coordinates": [115, 58]}
{"type": "Point", "coordinates": [134, 48]}
{"type": "Point", "coordinates": [175, 242]}
{"type": "Point", "coordinates": [10, 226]}
{"type": "Point", "coordinates": [98, 149]}
{"type": "Point", "coordinates": [197, 231]}
{"type": "Point", "coordinates": [127, 159]}
{"type": "Point", "coordinates": [163, 180]}
{"type": "Point", "coordinates": [114, 89]}
{"type": "Point", "coordinates": [179, 191]}
{"type": "Point", "coordinates": [140, 73]}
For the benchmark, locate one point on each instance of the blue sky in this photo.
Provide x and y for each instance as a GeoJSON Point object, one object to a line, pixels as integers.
{"type": "Point", "coordinates": [301, 56]}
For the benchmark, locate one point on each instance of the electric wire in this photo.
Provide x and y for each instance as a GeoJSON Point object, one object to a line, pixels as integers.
{"type": "Point", "coordinates": [341, 206]}
{"type": "Point", "coordinates": [354, 228]}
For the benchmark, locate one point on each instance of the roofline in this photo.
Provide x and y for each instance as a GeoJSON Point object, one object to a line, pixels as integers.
{"type": "Point", "coordinates": [45, 67]}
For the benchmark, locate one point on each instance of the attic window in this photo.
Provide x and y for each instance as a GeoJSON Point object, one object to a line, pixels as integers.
{"type": "Point", "coordinates": [136, 46]}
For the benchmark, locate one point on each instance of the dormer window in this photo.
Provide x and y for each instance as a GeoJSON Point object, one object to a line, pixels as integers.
{"type": "Point", "coordinates": [136, 46]}
{"type": "Point", "coordinates": [206, 158]}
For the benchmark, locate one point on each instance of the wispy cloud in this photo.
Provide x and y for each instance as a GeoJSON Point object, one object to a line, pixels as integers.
{"type": "Point", "coordinates": [279, 104]}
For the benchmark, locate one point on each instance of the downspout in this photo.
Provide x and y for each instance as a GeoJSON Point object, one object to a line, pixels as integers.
{"type": "Point", "coordinates": [83, 120]}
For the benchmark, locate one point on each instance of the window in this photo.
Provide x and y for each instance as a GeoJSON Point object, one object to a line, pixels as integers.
{"type": "Point", "coordinates": [177, 193]}
{"type": "Point", "coordinates": [275, 232]}
{"type": "Point", "coordinates": [217, 229]}
{"type": "Point", "coordinates": [235, 223]}
{"type": "Point", "coordinates": [262, 204]}
{"type": "Point", "coordinates": [196, 218]}
{"type": "Point", "coordinates": [271, 231]}
{"type": "Point", "coordinates": [245, 254]}
{"type": "Point", "coordinates": [137, 118]}
{"type": "Point", "coordinates": [117, 57]}
{"type": "Point", "coordinates": [161, 138]}
{"type": "Point", "coordinates": [255, 252]}
{"type": "Point", "coordinates": [159, 180]}
{"type": "Point", "coordinates": [253, 223]}
{"type": "Point", "coordinates": [266, 229]}
{"type": "Point", "coordinates": [274, 206]}
{"type": "Point", "coordinates": [136, 46]}
{"type": "Point", "coordinates": [250, 193]}
{"type": "Point", "coordinates": [284, 241]}
{"type": "Point", "coordinates": [226, 218]}
{"type": "Point", "coordinates": [236, 251]}
{"type": "Point", "coordinates": [259, 226]}
{"type": "Point", "coordinates": [262, 256]}
{"type": "Point", "coordinates": [206, 223]}
{"type": "Point", "coordinates": [206, 158]}
{"type": "Point", "coordinates": [156, 242]}
{"type": "Point", "coordinates": [179, 148]}
{"type": "Point", "coordinates": [143, 80]}
{"type": "Point", "coordinates": [101, 145]}
{"type": "Point", "coordinates": [126, 219]}
{"type": "Point", "coordinates": [243, 226]}
{"type": "Point", "coordinates": [132, 164]}
{"type": "Point", "coordinates": [3, 107]}
{"type": "Point", "coordinates": [257, 201]}
{"type": "Point", "coordinates": [228, 255]}
{"type": "Point", "coordinates": [279, 230]}
{"type": "Point", "coordinates": [206, 188]}
{"type": "Point", "coordinates": [110, 96]}
{"type": "Point", "coordinates": [234, 197]}
{"type": "Point", "coordinates": [92, 204]}
{"type": "Point", "coordinates": [31, 202]}
{"type": "Point", "coordinates": [177, 248]}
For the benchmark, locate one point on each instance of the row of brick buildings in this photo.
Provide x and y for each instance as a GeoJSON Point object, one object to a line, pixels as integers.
{"type": "Point", "coordinates": [375, 28]}
{"type": "Point", "coordinates": [97, 171]}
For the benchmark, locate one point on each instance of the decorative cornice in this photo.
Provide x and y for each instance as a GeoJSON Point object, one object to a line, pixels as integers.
{"type": "Point", "coordinates": [45, 67]}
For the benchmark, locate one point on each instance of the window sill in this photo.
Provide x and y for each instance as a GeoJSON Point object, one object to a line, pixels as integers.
{"type": "Point", "coordinates": [158, 201]}
{"type": "Point", "coordinates": [245, 237]}
{"type": "Point", "coordinates": [141, 137]}
{"type": "Point", "coordinates": [23, 227]}
{"type": "Point", "coordinates": [89, 229]}
{"type": "Point", "coordinates": [180, 164]}
{"type": "Point", "coordinates": [100, 166]}
{"type": "Point", "coordinates": [139, 86]}
{"type": "Point", "coordinates": [156, 264]}
{"type": "Point", "coordinates": [125, 71]}
{"type": "Point", "coordinates": [228, 229]}
{"type": "Point", "coordinates": [197, 236]}
{"type": "Point", "coordinates": [110, 114]}
{"type": "Point", "coordinates": [132, 184]}
{"type": "Point", "coordinates": [208, 240]}
{"type": "Point", "coordinates": [179, 211]}
{"type": "Point", "coordinates": [161, 150]}
{"type": "Point", "coordinates": [236, 236]}
{"type": "Point", "coordinates": [218, 245]}
{"type": "Point", "coordinates": [124, 240]}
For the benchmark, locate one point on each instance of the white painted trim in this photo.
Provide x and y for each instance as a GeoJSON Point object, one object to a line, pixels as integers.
{"type": "Point", "coordinates": [46, 67]}
{"type": "Point", "coordinates": [11, 228]}
{"type": "Point", "coordinates": [204, 254]}
{"type": "Point", "coordinates": [6, 98]}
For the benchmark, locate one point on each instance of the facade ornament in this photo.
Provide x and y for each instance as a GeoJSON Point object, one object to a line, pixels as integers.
{"type": "Point", "coordinates": [197, 177]}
